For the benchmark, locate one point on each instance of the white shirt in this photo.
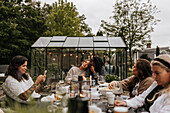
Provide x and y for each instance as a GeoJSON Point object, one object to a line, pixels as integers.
{"type": "Point", "coordinates": [161, 104]}
{"type": "Point", "coordinates": [73, 73]}
{"type": "Point", "coordinates": [19, 87]}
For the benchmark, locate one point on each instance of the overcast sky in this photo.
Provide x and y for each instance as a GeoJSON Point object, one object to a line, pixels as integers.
{"type": "Point", "coordinates": [97, 10]}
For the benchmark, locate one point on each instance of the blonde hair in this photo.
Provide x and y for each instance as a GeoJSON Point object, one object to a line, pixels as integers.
{"type": "Point", "coordinates": [157, 62]}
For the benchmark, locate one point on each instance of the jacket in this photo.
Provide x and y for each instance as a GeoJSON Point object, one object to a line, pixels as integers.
{"type": "Point", "coordinates": [129, 83]}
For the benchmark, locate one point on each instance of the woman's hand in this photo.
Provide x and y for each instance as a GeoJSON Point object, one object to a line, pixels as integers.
{"type": "Point", "coordinates": [40, 79]}
{"type": "Point", "coordinates": [120, 103]}
{"type": "Point", "coordinates": [112, 85]}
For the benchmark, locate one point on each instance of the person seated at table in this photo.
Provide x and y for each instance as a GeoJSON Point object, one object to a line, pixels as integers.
{"type": "Point", "coordinates": [156, 99]}
{"type": "Point", "coordinates": [139, 81]}
{"type": "Point", "coordinates": [19, 82]}
{"type": "Point", "coordinates": [96, 65]}
{"type": "Point", "coordinates": [75, 71]}
{"type": "Point", "coordinates": [96, 68]}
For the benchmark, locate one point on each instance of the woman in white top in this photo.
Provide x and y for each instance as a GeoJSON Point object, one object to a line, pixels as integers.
{"type": "Point", "coordinates": [156, 99]}
{"type": "Point", "coordinates": [19, 82]}
{"type": "Point", "coordinates": [75, 71]}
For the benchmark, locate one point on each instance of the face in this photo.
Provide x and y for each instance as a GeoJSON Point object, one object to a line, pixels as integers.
{"type": "Point", "coordinates": [134, 72]}
{"type": "Point", "coordinates": [23, 67]}
{"type": "Point", "coordinates": [161, 76]}
{"type": "Point", "coordinates": [85, 64]}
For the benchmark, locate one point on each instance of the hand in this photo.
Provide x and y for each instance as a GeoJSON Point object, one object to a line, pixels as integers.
{"type": "Point", "coordinates": [40, 79]}
{"type": "Point", "coordinates": [120, 103]}
{"type": "Point", "coordinates": [112, 85]}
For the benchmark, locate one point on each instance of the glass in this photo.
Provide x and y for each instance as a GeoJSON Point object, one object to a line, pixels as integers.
{"type": "Point", "coordinates": [60, 90]}
{"type": "Point", "coordinates": [118, 90]}
{"type": "Point", "coordinates": [101, 79]}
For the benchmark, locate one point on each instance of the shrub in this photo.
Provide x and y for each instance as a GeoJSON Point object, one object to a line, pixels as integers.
{"type": "Point", "coordinates": [110, 78]}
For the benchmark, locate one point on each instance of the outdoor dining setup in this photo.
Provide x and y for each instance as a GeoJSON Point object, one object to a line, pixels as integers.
{"type": "Point", "coordinates": [71, 77]}
{"type": "Point", "coordinates": [83, 96]}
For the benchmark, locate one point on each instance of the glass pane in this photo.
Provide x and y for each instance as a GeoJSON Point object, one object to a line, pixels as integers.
{"type": "Point", "coordinates": [42, 42]}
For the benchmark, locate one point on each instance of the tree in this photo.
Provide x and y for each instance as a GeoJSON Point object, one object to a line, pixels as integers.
{"type": "Point", "coordinates": [64, 20]}
{"type": "Point", "coordinates": [157, 51]}
{"type": "Point", "coordinates": [21, 25]}
{"type": "Point", "coordinates": [133, 20]}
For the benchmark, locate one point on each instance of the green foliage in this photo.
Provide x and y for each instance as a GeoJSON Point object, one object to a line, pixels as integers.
{"type": "Point", "coordinates": [64, 20]}
{"type": "Point", "coordinates": [21, 25]}
{"type": "Point", "coordinates": [133, 20]}
{"type": "Point", "coordinates": [110, 78]}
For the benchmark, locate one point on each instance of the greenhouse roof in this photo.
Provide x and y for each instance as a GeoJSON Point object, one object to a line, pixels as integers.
{"type": "Point", "coordinates": [96, 42]}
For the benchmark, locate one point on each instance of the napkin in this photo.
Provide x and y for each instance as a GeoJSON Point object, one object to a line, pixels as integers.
{"type": "Point", "coordinates": [48, 98]}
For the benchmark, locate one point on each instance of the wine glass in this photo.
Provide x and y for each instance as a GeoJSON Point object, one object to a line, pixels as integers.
{"type": "Point", "coordinates": [118, 90]}
{"type": "Point", "coordinates": [60, 90]}
{"type": "Point", "coordinates": [101, 79]}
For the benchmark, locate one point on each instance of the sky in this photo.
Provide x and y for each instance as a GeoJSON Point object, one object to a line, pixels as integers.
{"type": "Point", "coordinates": [97, 10]}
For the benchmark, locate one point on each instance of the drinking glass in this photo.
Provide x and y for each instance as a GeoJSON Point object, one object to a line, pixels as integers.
{"type": "Point", "coordinates": [117, 90]}
{"type": "Point", "coordinates": [101, 80]}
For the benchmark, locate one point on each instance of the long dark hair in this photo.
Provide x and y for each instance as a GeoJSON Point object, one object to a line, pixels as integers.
{"type": "Point", "coordinates": [144, 68]}
{"type": "Point", "coordinates": [13, 67]}
{"type": "Point", "coordinates": [97, 63]}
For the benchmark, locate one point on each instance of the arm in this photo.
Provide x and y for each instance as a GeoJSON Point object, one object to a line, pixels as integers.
{"type": "Point", "coordinates": [124, 83]}
{"type": "Point", "coordinates": [144, 85]}
{"type": "Point", "coordinates": [35, 87]}
{"type": "Point", "coordinates": [69, 75]}
{"type": "Point", "coordinates": [138, 101]}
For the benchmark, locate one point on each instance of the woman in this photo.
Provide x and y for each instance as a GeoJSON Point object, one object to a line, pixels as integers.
{"type": "Point", "coordinates": [156, 99]}
{"type": "Point", "coordinates": [77, 70]}
{"type": "Point", "coordinates": [19, 81]}
{"type": "Point", "coordinates": [96, 67]}
{"type": "Point", "coordinates": [139, 81]}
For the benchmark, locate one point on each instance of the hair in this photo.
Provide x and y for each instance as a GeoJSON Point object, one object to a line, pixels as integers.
{"type": "Point", "coordinates": [163, 61]}
{"type": "Point", "coordinates": [13, 67]}
{"type": "Point", "coordinates": [97, 63]}
{"type": "Point", "coordinates": [145, 56]}
{"type": "Point", "coordinates": [144, 68]}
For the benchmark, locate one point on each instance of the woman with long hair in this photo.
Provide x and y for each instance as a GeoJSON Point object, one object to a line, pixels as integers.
{"type": "Point", "coordinates": [75, 71]}
{"type": "Point", "coordinates": [19, 82]}
{"type": "Point", "coordinates": [156, 99]}
{"type": "Point", "coordinates": [139, 81]}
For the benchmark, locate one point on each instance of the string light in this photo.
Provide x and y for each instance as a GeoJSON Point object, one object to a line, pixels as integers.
{"type": "Point", "coordinates": [71, 54]}
{"type": "Point", "coordinates": [64, 55]}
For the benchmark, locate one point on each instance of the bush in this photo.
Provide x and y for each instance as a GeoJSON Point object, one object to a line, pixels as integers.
{"type": "Point", "coordinates": [110, 78]}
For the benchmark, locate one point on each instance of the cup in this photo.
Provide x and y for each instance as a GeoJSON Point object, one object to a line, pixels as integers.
{"type": "Point", "coordinates": [120, 109]}
{"type": "Point", "coordinates": [110, 98]}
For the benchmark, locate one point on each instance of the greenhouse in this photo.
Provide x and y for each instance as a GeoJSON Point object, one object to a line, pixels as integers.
{"type": "Point", "coordinates": [58, 53]}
